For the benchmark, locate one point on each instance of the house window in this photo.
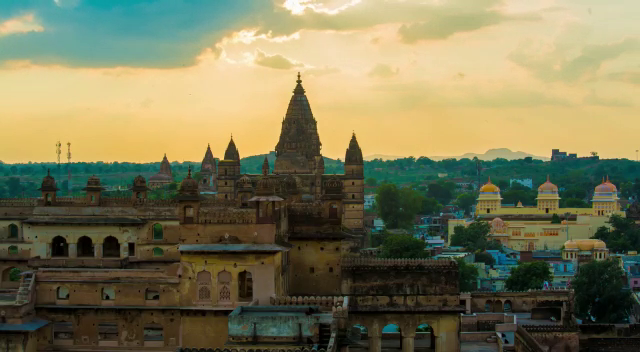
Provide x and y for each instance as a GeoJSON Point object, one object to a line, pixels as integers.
{"type": "Point", "coordinates": [108, 294]}
{"type": "Point", "coordinates": [204, 285]}
{"type": "Point", "coordinates": [224, 283]}
{"type": "Point", "coordinates": [63, 330]}
{"type": "Point", "coordinates": [158, 252]}
{"type": "Point", "coordinates": [132, 249]}
{"type": "Point", "coordinates": [13, 231]}
{"type": "Point", "coordinates": [151, 295]}
{"type": "Point", "coordinates": [153, 332]}
{"type": "Point", "coordinates": [158, 233]}
{"type": "Point", "coordinates": [59, 247]}
{"type": "Point", "coordinates": [62, 293]}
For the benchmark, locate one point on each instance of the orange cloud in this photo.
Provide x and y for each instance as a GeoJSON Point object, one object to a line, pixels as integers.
{"type": "Point", "coordinates": [22, 24]}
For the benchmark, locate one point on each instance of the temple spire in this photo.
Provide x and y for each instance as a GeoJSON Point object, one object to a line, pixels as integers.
{"type": "Point", "coordinates": [265, 166]}
{"type": "Point", "coordinates": [299, 90]}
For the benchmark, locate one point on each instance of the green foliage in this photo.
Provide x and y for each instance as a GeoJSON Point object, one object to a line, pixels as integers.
{"type": "Point", "coordinates": [371, 182]}
{"type": "Point", "coordinates": [465, 201]}
{"type": "Point", "coordinates": [555, 219]}
{"type": "Point", "coordinates": [402, 246]}
{"type": "Point", "coordinates": [473, 238]}
{"type": "Point", "coordinates": [624, 235]}
{"type": "Point", "coordinates": [442, 191]}
{"type": "Point", "coordinates": [600, 293]}
{"type": "Point", "coordinates": [468, 276]}
{"type": "Point", "coordinates": [485, 257]}
{"type": "Point", "coordinates": [398, 207]}
{"type": "Point", "coordinates": [430, 206]}
{"type": "Point", "coordinates": [529, 276]}
{"type": "Point", "coordinates": [14, 274]}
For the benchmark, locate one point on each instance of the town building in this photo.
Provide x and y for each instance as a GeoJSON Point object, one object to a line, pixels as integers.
{"type": "Point", "coordinates": [526, 182]}
{"type": "Point", "coordinates": [369, 201]}
{"type": "Point", "coordinates": [531, 228]}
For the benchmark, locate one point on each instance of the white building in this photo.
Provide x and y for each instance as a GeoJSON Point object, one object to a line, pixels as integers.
{"type": "Point", "coordinates": [369, 201]}
{"type": "Point", "coordinates": [527, 182]}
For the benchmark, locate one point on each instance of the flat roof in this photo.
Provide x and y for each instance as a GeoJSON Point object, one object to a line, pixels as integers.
{"type": "Point", "coordinates": [33, 325]}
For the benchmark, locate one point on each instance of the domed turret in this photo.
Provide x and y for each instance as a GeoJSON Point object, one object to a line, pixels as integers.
{"type": "Point", "coordinates": [48, 183]}
{"type": "Point", "coordinates": [489, 200]}
{"type": "Point", "coordinates": [548, 187]}
{"type": "Point", "coordinates": [244, 182]}
{"type": "Point", "coordinates": [605, 198]}
{"type": "Point", "coordinates": [548, 198]}
{"type": "Point", "coordinates": [606, 187]}
{"type": "Point", "coordinates": [265, 186]}
{"type": "Point", "coordinates": [139, 187]}
{"type": "Point", "coordinates": [93, 184]}
{"type": "Point", "coordinates": [489, 188]}
{"type": "Point", "coordinates": [189, 186]}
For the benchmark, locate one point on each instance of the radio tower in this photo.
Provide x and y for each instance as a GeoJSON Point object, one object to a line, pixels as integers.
{"type": "Point", "coordinates": [59, 151]}
{"type": "Point", "coordinates": [69, 167]}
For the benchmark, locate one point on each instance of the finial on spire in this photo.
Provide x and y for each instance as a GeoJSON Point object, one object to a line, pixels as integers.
{"type": "Point", "coordinates": [489, 179]}
{"type": "Point", "coordinates": [607, 178]}
{"type": "Point", "coordinates": [602, 179]}
{"type": "Point", "coordinates": [299, 80]}
{"type": "Point", "coordinates": [189, 174]}
{"type": "Point", "coordinates": [48, 172]}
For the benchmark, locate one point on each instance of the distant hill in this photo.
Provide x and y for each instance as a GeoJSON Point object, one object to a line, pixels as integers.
{"type": "Point", "coordinates": [491, 154]}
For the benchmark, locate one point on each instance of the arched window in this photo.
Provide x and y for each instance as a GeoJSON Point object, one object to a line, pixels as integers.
{"type": "Point", "coordinates": [224, 283]}
{"type": "Point", "coordinates": [158, 252]}
{"type": "Point", "coordinates": [353, 196]}
{"type": "Point", "coordinates": [245, 286]}
{"type": "Point", "coordinates": [108, 294]}
{"type": "Point", "coordinates": [13, 249]}
{"type": "Point", "coordinates": [488, 306]}
{"type": "Point", "coordinates": [507, 306]}
{"type": "Point", "coordinates": [59, 247]}
{"type": "Point", "coordinates": [111, 247]}
{"type": "Point", "coordinates": [62, 293]}
{"type": "Point", "coordinates": [13, 231]}
{"type": "Point", "coordinates": [204, 286]}
{"type": "Point", "coordinates": [158, 234]}
{"type": "Point", "coordinates": [85, 247]}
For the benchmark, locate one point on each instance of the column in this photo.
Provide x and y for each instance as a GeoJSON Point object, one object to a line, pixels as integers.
{"type": "Point", "coordinates": [97, 250]}
{"type": "Point", "coordinates": [468, 305]}
{"type": "Point", "coordinates": [408, 339]}
{"type": "Point", "coordinates": [73, 250]}
{"type": "Point", "coordinates": [375, 340]}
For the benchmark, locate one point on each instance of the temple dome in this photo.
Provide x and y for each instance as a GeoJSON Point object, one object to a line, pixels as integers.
{"type": "Point", "coordinates": [585, 245]}
{"type": "Point", "coordinates": [489, 188]}
{"type": "Point", "coordinates": [570, 244]}
{"type": "Point", "coordinates": [606, 187]}
{"type": "Point", "coordinates": [189, 184]}
{"type": "Point", "coordinates": [548, 187]}
{"type": "Point", "coordinates": [48, 183]}
{"type": "Point", "coordinates": [244, 182]}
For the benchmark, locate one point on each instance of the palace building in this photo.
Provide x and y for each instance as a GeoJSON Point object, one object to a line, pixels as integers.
{"type": "Point", "coordinates": [240, 261]}
{"type": "Point", "coordinates": [527, 228]}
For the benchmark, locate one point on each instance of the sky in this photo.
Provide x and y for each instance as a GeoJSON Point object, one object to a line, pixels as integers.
{"type": "Point", "coordinates": [130, 80]}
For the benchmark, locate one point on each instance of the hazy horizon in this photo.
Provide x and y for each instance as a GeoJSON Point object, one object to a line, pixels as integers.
{"type": "Point", "coordinates": [129, 81]}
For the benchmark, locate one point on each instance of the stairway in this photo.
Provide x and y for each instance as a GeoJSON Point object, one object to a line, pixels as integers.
{"type": "Point", "coordinates": [25, 288]}
{"type": "Point", "coordinates": [325, 335]}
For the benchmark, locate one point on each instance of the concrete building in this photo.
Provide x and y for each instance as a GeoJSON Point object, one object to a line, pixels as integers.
{"type": "Point", "coordinates": [526, 182]}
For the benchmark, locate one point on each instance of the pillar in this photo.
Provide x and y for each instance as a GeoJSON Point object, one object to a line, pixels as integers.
{"type": "Point", "coordinates": [375, 339]}
{"type": "Point", "coordinates": [97, 250]}
{"type": "Point", "coordinates": [73, 250]}
{"type": "Point", "coordinates": [467, 303]}
{"type": "Point", "coordinates": [408, 340]}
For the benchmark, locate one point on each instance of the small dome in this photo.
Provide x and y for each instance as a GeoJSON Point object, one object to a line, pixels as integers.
{"type": "Point", "coordinates": [139, 181]}
{"type": "Point", "coordinates": [245, 182]}
{"type": "Point", "coordinates": [570, 244]}
{"type": "Point", "coordinates": [599, 245]}
{"type": "Point", "coordinates": [48, 183]}
{"type": "Point", "coordinates": [497, 222]}
{"type": "Point", "coordinates": [606, 187]}
{"type": "Point", "coordinates": [489, 188]}
{"type": "Point", "coordinates": [265, 186]}
{"type": "Point", "coordinates": [548, 187]}
{"type": "Point", "coordinates": [93, 181]}
{"type": "Point", "coordinates": [188, 184]}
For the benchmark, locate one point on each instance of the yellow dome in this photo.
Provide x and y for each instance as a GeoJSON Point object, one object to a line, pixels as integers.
{"type": "Point", "coordinates": [489, 187]}
{"type": "Point", "coordinates": [599, 245]}
{"type": "Point", "coordinates": [590, 244]}
{"type": "Point", "coordinates": [548, 187]}
{"type": "Point", "coordinates": [570, 244]}
{"type": "Point", "coordinates": [606, 187]}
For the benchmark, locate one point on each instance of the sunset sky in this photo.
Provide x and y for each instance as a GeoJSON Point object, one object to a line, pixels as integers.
{"type": "Point", "coordinates": [128, 80]}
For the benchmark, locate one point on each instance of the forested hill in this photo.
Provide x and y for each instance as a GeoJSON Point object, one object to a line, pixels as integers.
{"type": "Point", "coordinates": [583, 173]}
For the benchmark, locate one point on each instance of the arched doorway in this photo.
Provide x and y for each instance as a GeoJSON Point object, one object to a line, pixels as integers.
{"type": "Point", "coordinates": [85, 247]}
{"type": "Point", "coordinates": [188, 214]}
{"type": "Point", "coordinates": [111, 247]}
{"type": "Point", "coordinates": [359, 338]}
{"type": "Point", "coordinates": [498, 306]}
{"type": "Point", "coordinates": [425, 339]}
{"type": "Point", "coordinates": [333, 211]}
{"type": "Point", "coordinates": [391, 338]}
{"type": "Point", "coordinates": [507, 306]}
{"type": "Point", "coordinates": [245, 286]}
{"type": "Point", "coordinates": [13, 231]}
{"type": "Point", "coordinates": [59, 247]}
{"type": "Point", "coordinates": [11, 277]}
{"type": "Point", "coordinates": [488, 306]}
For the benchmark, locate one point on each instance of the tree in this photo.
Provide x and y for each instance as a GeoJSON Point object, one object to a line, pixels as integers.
{"type": "Point", "coordinates": [402, 246]}
{"type": "Point", "coordinates": [485, 257]}
{"type": "Point", "coordinates": [14, 274]}
{"type": "Point", "coordinates": [529, 276]}
{"type": "Point", "coordinates": [14, 187]}
{"type": "Point", "coordinates": [465, 201]}
{"type": "Point", "coordinates": [468, 276]}
{"type": "Point", "coordinates": [442, 191]}
{"type": "Point", "coordinates": [555, 219]}
{"type": "Point", "coordinates": [430, 206]}
{"type": "Point", "coordinates": [372, 182]}
{"type": "Point", "coordinates": [623, 236]}
{"type": "Point", "coordinates": [398, 207]}
{"type": "Point", "coordinates": [474, 237]}
{"type": "Point", "coordinates": [600, 293]}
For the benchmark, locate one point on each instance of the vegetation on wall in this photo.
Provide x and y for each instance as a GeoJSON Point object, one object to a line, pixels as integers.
{"type": "Point", "coordinates": [529, 276]}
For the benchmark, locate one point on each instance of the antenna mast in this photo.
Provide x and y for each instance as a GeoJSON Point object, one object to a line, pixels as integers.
{"type": "Point", "coordinates": [69, 167]}
{"type": "Point", "coordinates": [58, 152]}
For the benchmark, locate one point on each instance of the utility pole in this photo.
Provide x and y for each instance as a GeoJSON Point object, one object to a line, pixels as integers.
{"type": "Point", "coordinates": [636, 155]}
